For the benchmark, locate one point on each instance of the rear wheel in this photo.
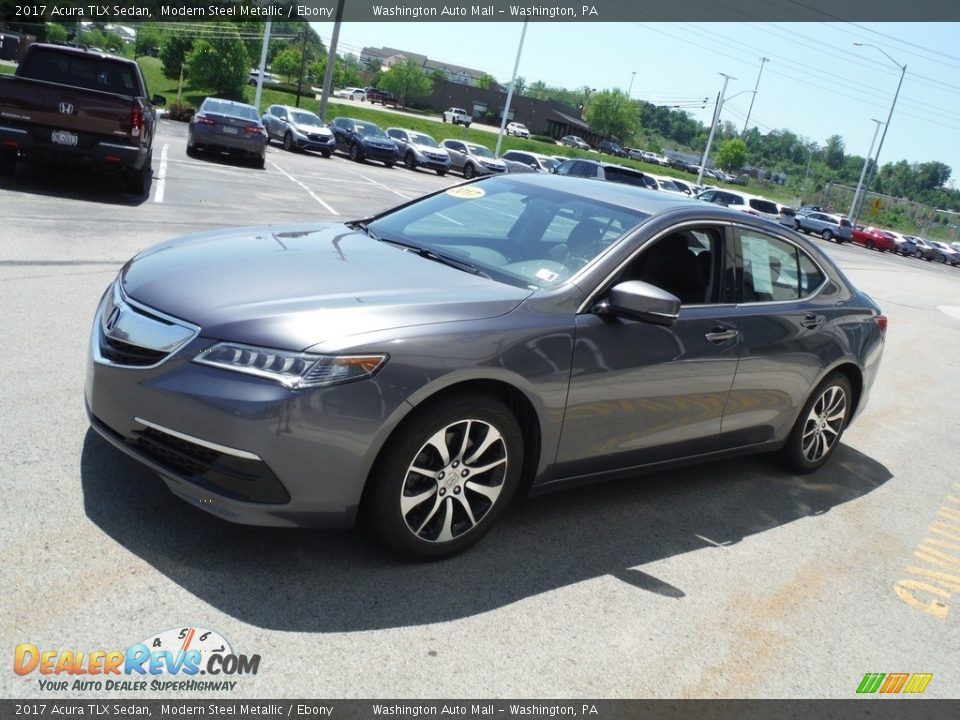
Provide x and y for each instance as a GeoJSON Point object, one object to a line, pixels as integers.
{"type": "Point", "coordinates": [796, 225]}
{"type": "Point", "coordinates": [446, 475]}
{"type": "Point", "coordinates": [820, 425]}
{"type": "Point", "coordinates": [869, 245]}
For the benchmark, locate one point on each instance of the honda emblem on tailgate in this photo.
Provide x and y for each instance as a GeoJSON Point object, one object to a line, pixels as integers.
{"type": "Point", "coordinates": [66, 108]}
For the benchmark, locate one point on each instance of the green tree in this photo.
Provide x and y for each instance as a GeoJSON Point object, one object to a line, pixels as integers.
{"type": "Point", "coordinates": [519, 85]}
{"type": "Point", "coordinates": [731, 155]}
{"type": "Point", "coordinates": [149, 39]}
{"type": "Point", "coordinates": [287, 62]}
{"type": "Point", "coordinates": [173, 53]}
{"type": "Point", "coordinates": [486, 81]}
{"type": "Point", "coordinates": [406, 80]}
{"type": "Point", "coordinates": [219, 63]}
{"type": "Point", "coordinates": [834, 152]}
{"type": "Point", "coordinates": [56, 33]}
{"type": "Point", "coordinates": [612, 113]}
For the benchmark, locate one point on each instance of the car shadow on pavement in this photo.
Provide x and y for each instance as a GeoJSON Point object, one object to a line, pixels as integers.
{"type": "Point", "coordinates": [74, 183]}
{"type": "Point", "coordinates": [338, 581]}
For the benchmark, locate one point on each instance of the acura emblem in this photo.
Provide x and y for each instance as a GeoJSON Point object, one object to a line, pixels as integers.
{"type": "Point", "coordinates": [114, 318]}
{"type": "Point", "coordinates": [66, 108]}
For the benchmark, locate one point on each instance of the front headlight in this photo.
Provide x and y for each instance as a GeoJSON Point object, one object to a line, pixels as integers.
{"type": "Point", "coordinates": [293, 370]}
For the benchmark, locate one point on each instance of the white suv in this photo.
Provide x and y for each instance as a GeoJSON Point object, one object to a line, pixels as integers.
{"type": "Point", "coordinates": [753, 204]}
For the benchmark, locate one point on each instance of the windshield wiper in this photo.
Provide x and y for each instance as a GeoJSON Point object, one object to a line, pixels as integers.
{"type": "Point", "coordinates": [431, 254]}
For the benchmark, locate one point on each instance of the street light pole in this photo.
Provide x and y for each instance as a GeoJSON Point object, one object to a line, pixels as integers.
{"type": "Point", "coordinates": [863, 173]}
{"type": "Point", "coordinates": [876, 160]}
{"type": "Point", "coordinates": [633, 76]}
{"type": "Point", "coordinates": [763, 61]}
{"type": "Point", "coordinates": [513, 80]}
{"type": "Point", "coordinates": [713, 127]}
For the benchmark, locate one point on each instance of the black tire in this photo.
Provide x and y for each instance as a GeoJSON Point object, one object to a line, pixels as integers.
{"type": "Point", "coordinates": [388, 164]}
{"type": "Point", "coordinates": [441, 173]}
{"type": "Point", "coordinates": [138, 182]}
{"type": "Point", "coordinates": [942, 259]}
{"type": "Point", "coordinates": [8, 162]}
{"type": "Point", "coordinates": [325, 153]}
{"type": "Point", "coordinates": [463, 425]}
{"type": "Point", "coordinates": [259, 163]}
{"type": "Point", "coordinates": [796, 225]}
{"type": "Point", "coordinates": [444, 118]}
{"type": "Point", "coordinates": [355, 153]}
{"type": "Point", "coordinates": [869, 245]}
{"type": "Point", "coordinates": [409, 161]}
{"type": "Point", "coordinates": [918, 255]}
{"type": "Point", "coordinates": [192, 151]}
{"type": "Point", "coordinates": [814, 437]}
{"type": "Point", "coordinates": [827, 235]}
{"type": "Point", "coordinates": [468, 171]}
{"type": "Point", "coordinates": [288, 143]}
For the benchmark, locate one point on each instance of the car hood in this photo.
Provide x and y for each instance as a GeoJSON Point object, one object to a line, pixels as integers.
{"type": "Point", "coordinates": [292, 287]}
{"type": "Point", "coordinates": [312, 129]}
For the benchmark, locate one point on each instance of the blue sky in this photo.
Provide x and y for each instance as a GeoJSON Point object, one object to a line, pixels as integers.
{"type": "Point", "coordinates": [815, 84]}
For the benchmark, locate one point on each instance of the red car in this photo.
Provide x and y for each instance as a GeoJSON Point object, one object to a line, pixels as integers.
{"type": "Point", "coordinates": [874, 238]}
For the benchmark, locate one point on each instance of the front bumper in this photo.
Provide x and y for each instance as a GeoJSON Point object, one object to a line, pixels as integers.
{"type": "Point", "coordinates": [239, 447]}
{"type": "Point", "coordinates": [314, 142]}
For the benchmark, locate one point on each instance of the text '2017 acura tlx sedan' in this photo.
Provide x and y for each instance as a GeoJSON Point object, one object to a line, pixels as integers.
{"type": "Point", "coordinates": [524, 331]}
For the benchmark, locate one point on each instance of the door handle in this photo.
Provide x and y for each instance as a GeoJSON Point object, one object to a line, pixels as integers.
{"type": "Point", "coordinates": [811, 321]}
{"type": "Point", "coordinates": [721, 334]}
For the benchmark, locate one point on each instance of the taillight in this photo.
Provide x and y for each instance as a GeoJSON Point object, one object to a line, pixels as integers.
{"type": "Point", "coordinates": [203, 120]}
{"type": "Point", "coordinates": [255, 130]}
{"type": "Point", "coordinates": [136, 121]}
{"type": "Point", "coordinates": [881, 321]}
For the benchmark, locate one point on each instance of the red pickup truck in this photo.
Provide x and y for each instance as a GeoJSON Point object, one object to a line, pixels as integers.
{"type": "Point", "coordinates": [67, 104]}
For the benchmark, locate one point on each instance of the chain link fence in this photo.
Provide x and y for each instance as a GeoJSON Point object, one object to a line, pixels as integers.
{"type": "Point", "coordinates": [891, 213]}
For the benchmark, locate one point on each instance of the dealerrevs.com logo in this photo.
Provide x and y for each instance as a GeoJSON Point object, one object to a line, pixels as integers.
{"type": "Point", "coordinates": [187, 659]}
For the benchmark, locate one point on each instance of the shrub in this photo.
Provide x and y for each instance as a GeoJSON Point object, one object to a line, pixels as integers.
{"type": "Point", "coordinates": [544, 138]}
{"type": "Point", "coordinates": [180, 112]}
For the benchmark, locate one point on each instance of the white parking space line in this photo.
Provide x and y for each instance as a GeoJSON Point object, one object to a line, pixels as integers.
{"type": "Point", "coordinates": [309, 191]}
{"type": "Point", "coordinates": [385, 187]}
{"type": "Point", "coordinates": [161, 175]}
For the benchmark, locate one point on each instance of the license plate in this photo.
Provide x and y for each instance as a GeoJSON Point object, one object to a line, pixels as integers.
{"type": "Point", "coordinates": [62, 137]}
{"type": "Point", "coordinates": [230, 130]}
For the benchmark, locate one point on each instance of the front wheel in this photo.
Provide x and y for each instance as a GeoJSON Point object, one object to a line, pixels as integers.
{"type": "Point", "coordinates": [325, 153]}
{"type": "Point", "coordinates": [468, 171]}
{"type": "Point", "coordinates": [441, 173]}
{"type": "Point", "coordinates": [443, 479]}
{"type": "Point", "coordinates": [355, 153]}
{"type": "Point", "coordinates": [409, 161]}
{"type": "Point", "coordinates": [820, 425]}
{"type": "Point", "coordinates": [869, 245]}
{"type": "Point", "coordinates": [826, 235]}
{"type": "Point", "coordinates": [288, 142]}
{"type": "Point", "coordinates": [796, 225]}
{"type": "Point", "coordinates": [388, 164]}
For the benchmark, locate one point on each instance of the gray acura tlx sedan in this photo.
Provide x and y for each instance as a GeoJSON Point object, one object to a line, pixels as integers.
{"type": "Point", "coordinates": [418, 367]}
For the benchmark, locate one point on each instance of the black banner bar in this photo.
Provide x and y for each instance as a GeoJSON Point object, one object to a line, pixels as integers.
{"type": "Point", "coordinates": [876, 708]}
{"type": "Point", "coordinates": [128, 11]}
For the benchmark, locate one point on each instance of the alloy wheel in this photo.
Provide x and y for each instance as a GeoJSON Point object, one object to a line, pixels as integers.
{"type": "Point", "coordinates": [454, 480]}
{"type": "Point", "coordinates": [824, 423]}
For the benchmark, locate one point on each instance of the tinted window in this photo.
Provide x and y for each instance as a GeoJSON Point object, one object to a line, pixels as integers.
{"type": "Point", "coordinates": [85, 71]}
{"type": "Point", "coordinates": [764, 206]}
{"type": "Point", "coordinates": [627, 177]}
{"type": "Point", "coordinates": [685, 263]}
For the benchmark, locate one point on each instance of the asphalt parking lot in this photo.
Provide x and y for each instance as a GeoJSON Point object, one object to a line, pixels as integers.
{"type": "Point", "coordinates": [732, 580]}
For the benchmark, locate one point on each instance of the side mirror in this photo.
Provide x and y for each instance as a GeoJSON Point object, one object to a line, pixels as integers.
{"type": "Point", "coordinates": [158, 100]}
{"type": "Point", "coordinates": [643, 301]}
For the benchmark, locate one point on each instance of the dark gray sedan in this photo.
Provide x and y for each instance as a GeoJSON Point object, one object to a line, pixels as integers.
{"type": "Point", "coordinates": [227, 126]}
{"type": "Point", "coordinates": [522, 331]}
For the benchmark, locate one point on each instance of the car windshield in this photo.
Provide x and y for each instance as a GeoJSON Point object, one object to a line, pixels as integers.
{"type": "Point", "coordinates": [480, 151]}
{"type": "Point", "coordinates": [549, 163]}
{"type": "Point", "coordinates": [306, 118]}
{"type": "Point", "coordinates": [369, 130]}
{"type": "Point", "coordinates": [421, 139]}
{"type": "Point", "coordinates": [520, 234]}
